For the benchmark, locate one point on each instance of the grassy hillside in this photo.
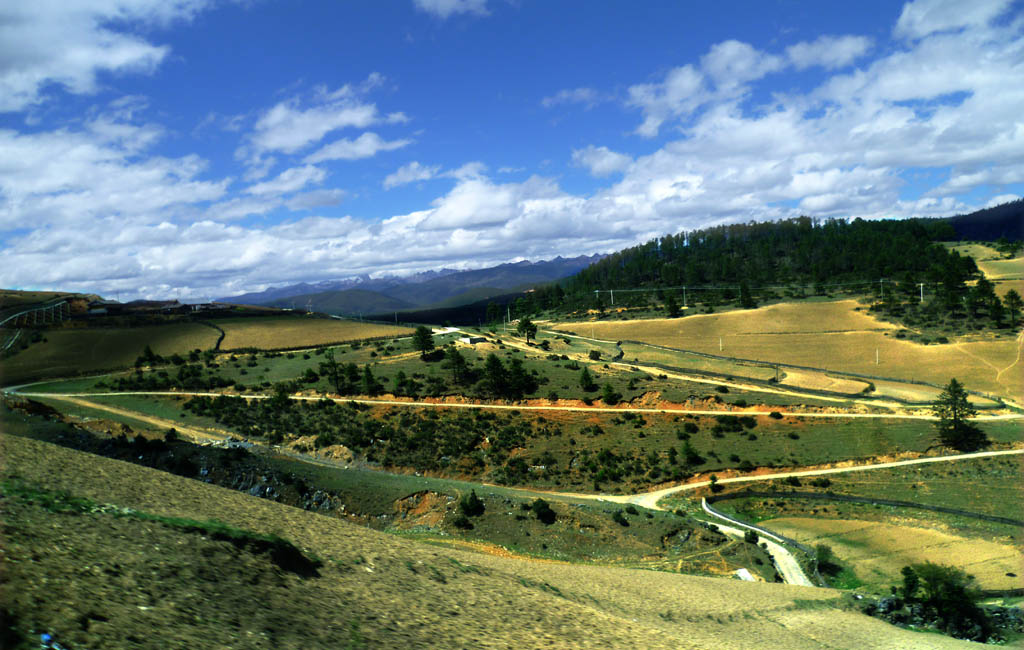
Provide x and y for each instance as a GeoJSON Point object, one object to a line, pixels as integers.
{"type": "Point", "coordinates": [72, 351]}
{"type": "Point", "coordinates": [93, 580]}
{"type": "Point", "coordinates": [828, 335]}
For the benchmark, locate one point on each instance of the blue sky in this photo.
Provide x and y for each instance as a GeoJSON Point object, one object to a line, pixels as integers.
{"type": "Point", "coordinates": [198, 148]}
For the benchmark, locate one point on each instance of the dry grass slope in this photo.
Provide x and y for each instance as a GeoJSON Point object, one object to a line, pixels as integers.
{"type": "Point", "coordinates": [827, 335]}
{"type": "Point", "coordinates": [296, 331]}
{"type": "Point", "coordinates": [403, 594]}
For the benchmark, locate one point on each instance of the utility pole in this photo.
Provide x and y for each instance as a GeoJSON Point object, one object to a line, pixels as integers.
{"type": "Point", "coordinates": [613, 295]}
{"type": "Point", "coordinates": [876, 356]}
{"type": "Point", "coordinates": [922, 293]}
{"type": "Point", "coordinates": [684, 297]}
{"type": "Point", "coordinates": [719, 343]}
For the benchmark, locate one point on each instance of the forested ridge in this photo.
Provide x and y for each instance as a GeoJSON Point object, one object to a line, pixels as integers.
{"type": "Point", "coordinates": [794, 251]}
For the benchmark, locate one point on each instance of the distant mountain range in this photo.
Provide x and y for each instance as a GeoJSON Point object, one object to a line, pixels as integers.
{"type": "Point", "coordinates": [444, 288]}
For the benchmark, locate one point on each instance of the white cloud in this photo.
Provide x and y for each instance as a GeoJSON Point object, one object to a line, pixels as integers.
{"type": "Point", "coordinates": [586, 96]}
{"type": "Point", "coordinates": [829, 52]}
{"type": "Point", "coordinates": [923, 17]}
{"type": "Point", "coordinates": [67, 177]}
{"type": "Point", "coordinates": [1002, 198]}
{"type": "Point", "coordinates": [316, 199]}
{"type": "Point", "coordinates": [289, 180]}
{"type": "Point", "coordinates": [293, 124]}
{"type": "Point", "coordinates": [240, 207]}
{"type": "Point", "coordinates": [69, 42]}
{"type": "Point", "coordinates": [446, 8]}
{"type": "Point", "coordinates": [366, 145]}
{"type": "Point", "coordinates": [678, 95]}
{"type": "Point", "coordinates": [601, 161]}
{"type": "Point", "coordinates": [733, 63]}
{"type": "Point", "coordinates": [410, 173]}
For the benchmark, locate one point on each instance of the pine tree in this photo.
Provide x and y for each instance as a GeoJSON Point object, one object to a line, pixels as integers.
{"type": "Point", "coordinates": [423, 340]}
{"type": "Point", "coordinates": [587, 381]}
{"type": "Point", "coordinates": [953, 408]}
{"type": "Point", "coordinates": [526, 328]}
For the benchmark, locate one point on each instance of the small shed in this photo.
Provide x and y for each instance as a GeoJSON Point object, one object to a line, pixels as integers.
{"type": "Point", "coordinates": [472, 340]}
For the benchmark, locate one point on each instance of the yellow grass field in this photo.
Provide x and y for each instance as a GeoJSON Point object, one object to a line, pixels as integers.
{"type": "Point", "coordinates": [877, 551]}
{"type": "Point", "coordinates": [1005, 274]}
{"type": "Point", "coordinates": [299, 331]}
{"type": "Point", "coordinates": [73, 351]}
{"type": "Point", "coordinates": [827, 335]}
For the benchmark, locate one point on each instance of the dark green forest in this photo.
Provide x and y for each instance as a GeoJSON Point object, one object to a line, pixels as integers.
{"type": "Point", "coordinates": [795, 251]}
{"type": "Point", "coordinates": [909, 277]}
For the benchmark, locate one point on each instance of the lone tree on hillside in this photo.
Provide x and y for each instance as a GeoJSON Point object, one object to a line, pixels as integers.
{"type": "Point", "coordinates": [671, 307]}
{"type": "Point", "coordinates": [454, 361]}
{"type": "Point", "coordinates": [746, 299]}
{"type": "Point", "coordinates": [526, 328]}
{"type": "Point", "coordinates": [1013, 304]}
{"type": "Point", "coordinates": [423, 340]}
{"type": "Point", "coordinates": [952, 408]}
{"type": "Point", "coordinates": [587, 381]}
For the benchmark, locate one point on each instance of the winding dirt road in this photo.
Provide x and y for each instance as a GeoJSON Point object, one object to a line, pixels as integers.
{"type": "Point", "coordinates": [15, 390]}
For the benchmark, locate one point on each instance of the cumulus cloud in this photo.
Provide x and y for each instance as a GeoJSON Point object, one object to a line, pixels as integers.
{"type": "Point", "coordinates": [923, 17]}
{"type": "Point", "coordinates": [288, 181]}
{"type": "Point", "coordinates": [366, 145]}
{"type": "Point", "coordinates": [733, 63]}
{"type": "Point", "coordinates": [446, 8]}
{"type": "Point", "coordinates": [71, 176]}
{"type": "Point", "coordinates": [316, 199]}
{"type": "Point", "coordinates": [70, 42]}
{"type": "Point", "coordinates": [681, 92]}
{"type": "Point", "coordinates": [601, 161]}
{"type": "Point", "coordinates": [293, 124]}
{"type": "Point", "coordinates": [410, 173]}
{"type": "Point", "coordinates": [829, 52]}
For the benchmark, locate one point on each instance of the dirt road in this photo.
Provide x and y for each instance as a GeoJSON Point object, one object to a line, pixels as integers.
{"type": "Point", "coordinates": [513, 407]}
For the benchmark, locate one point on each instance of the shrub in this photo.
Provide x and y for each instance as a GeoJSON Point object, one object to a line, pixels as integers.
{"type": "Point", "coordinates": [750, 537]}
{"type": "Point", "coordinates": [722, 389]}
{"type": "Point", "coordinates": [690, 427]}
{"type": "Point", "coordinates": [620, 518]}
{"type": "Point", "coordinates": [631, 509]}
{"type": "Point", "coordinates": [543, 512]}
{"type": "Point", "coordinates": [821, 482]}
{"type": "Point", "coordinates": [471, 505]}
{"type": "Point", "coordinates": [594, 355]}
{"type": "Point", "coordinates": [793, 481]}
{"type": "Point", "coordinates": [775, 415]}
{"type": "Point", "coordinates": [715, 486]}
{"type": "Point", "coordinates": [463, 522]}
